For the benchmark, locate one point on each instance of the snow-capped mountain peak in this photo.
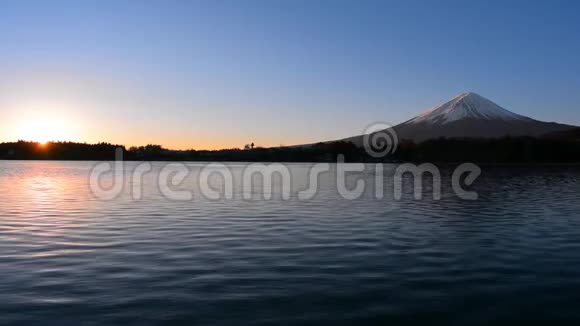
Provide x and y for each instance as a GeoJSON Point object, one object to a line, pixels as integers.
{"type": "Point", "coordinates": [466, 106]}
{"type": "Point", "coordinates": [467, 115]}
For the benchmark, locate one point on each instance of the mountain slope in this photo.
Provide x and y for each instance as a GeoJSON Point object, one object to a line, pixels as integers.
{"type": "Point", "coordinates": [469, 115]}
{"type": "Point", "coordinates": [466, 106]}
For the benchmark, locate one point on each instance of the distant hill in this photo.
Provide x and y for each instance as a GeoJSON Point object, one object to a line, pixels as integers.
{"type": "Point", "coordinates": [469, 115]}
{"type": "Point", "coordinates": [569, 134]}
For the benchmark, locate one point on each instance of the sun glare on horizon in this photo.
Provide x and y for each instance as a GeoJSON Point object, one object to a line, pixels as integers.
{"type": "Point", "coordinates": [43, 131]}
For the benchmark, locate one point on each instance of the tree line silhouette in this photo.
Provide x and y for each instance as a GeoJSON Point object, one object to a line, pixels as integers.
{"type": "Point", "coordinates": [557, 148]}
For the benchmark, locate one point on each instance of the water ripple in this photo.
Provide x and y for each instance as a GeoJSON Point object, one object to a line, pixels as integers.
{"type": "Point", "coordinates": [67, 258]}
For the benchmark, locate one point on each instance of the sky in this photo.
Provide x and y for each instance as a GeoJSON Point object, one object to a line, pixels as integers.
{"type": "Point", "coordinates": [221, 74]}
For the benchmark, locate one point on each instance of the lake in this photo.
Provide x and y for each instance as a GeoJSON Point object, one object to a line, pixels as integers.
{"type": "Point", "coordinates": [69, 258]}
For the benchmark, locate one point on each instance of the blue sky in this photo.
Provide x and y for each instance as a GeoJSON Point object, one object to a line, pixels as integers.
{"type": "Point", "coordinates": [212, 74]}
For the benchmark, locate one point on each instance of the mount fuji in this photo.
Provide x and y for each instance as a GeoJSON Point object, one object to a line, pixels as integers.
{"type": "Point", "coordinates": [469, 115]}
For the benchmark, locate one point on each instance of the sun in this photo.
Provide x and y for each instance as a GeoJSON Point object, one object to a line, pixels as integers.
{"type": "Point", "coordinates": [43, 131]}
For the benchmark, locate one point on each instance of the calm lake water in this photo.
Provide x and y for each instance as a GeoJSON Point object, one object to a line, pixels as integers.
{"type": "Point", "coordinates": [68, 258]}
